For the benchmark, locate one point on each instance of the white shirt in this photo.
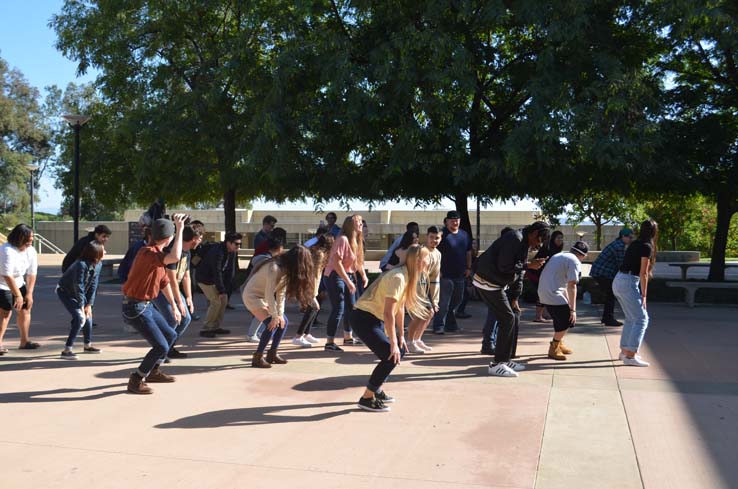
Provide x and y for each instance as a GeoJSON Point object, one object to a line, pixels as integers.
{"type": "Point", "coordinates": [16, 264]}
{"type": "Point", "coordinates": [560, 269]}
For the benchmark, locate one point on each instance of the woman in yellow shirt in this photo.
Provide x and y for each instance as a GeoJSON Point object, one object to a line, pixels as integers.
{"type": "Point", "coordinates": [378, 320]}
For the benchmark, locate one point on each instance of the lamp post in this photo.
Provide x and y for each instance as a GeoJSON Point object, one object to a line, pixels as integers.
{"type": "Point", "coordinates": [76, 121]}
{"type": "Point", "coordinates": [32, 169]}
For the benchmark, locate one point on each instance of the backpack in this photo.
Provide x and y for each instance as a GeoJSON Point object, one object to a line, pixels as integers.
{"type": "Point", "coordinates": [127, 262]}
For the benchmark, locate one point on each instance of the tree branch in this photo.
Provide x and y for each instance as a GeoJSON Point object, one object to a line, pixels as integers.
{"type": "Point", "coordinates": [340, 20]}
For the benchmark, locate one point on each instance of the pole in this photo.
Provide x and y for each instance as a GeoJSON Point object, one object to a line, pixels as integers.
{"type": "Point", "coordinates": [479, 220]}
{"type": "Point", "coordinates": [33, 213]}
{"type": "Point", "coordinates": [77, 128]}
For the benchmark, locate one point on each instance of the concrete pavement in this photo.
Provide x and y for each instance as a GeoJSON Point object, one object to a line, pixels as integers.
{"type": "Point", "coordinates": [585, 423]}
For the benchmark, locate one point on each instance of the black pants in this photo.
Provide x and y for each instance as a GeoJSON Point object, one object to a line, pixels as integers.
{"type": "Point", "coordinates": [605, 284]}
{"type": "Point", "coordinates": [508, 323]}
{"type": "Point", "coordinates": [370, 330]}
{"type": "Point", "coordinates": [308, 319]}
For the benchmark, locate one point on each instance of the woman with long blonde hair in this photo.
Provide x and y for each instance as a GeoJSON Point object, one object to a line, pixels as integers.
{"type": "Point", "coordinates": [378, 320]}
{"type": "Point", "coordinates": [345, 266]}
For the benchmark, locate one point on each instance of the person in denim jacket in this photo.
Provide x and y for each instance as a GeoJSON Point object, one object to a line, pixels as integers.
{"type": "Point", "coordinates": [76, 291]}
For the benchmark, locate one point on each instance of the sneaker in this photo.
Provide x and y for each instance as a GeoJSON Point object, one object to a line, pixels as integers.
{"type": "Point", "coordinates": [196, 317]}
{"type": "Point", "coordinates": [127, 328]}
{"type": "Point", "coordinates": [487, 350]}
{"type": "Point", "coordinates": [501, 370]}
{"type": "Point", "coordinates": [312, 339]}
{"type": "Point", "coordinates": [462, 315]}
{"type": "Point", "coordinates": [207, 333]}
{"type": "Point", "coordinates": [611, 322]}
{"type": "Point", "coordinates": [514, 365]}
{"type": "Point", "coordinates": [384, 397]}
{"type": "Point", "coordinates": [352, 341]}
{"type": "Point", "coordinates": [372, 404]}
{"type": "Point", "coordinates": [253, 339]}
{"type": "Point", "coordinates": [332, 347]}
{"type": "Point", "coordinates": [174, 353]}
{"type": "Point", "coordinates": [92, 349]}
{"type": "Point", "coordinates": [414, 348]}
{"type": "Point", "coordinates": [301, 341]}
{"type": "Point", "coordinates": [68, 355]}
{"type": "Point", "coordinates": [636, 361]}
{"type": "Point", "coordinates": [221, 331]}
{"type": "Point", "coordinates": [423, 345]}
{"type": "Point", "coordinates": [440, 331]}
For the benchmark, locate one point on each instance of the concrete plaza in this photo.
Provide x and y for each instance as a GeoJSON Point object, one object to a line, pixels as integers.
{"type": "Point", "coordinates": [585, 423]}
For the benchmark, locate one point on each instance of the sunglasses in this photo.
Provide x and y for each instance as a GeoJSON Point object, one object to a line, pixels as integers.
{"type": "Point", "coordinates": [237, 243]}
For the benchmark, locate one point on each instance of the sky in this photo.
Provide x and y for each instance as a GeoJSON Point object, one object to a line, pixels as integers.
{"type": "Point", "coordinates": [27, 43]}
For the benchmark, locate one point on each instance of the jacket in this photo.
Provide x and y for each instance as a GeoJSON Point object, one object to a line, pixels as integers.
{"type": "Point", "coordinates": [216, 268]}
{"type": "Point", "coordinates": [76, 251]}
{"type": "Point", "coordinates": [504, 262]}
{"type": "Point", "coordinates": [80, 282]}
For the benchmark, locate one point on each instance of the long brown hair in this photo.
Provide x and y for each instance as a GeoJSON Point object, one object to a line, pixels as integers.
{"type": "Point", "coordinates": [413, 303]}
{"type": "Point", "coordinates": [649, 233]}
{"type": "Point", "coordinates": [355, 238]}
{"type": "Point", "coordinates": [298, 277]}
{"type": "Point", "coordinates": [320, 251]}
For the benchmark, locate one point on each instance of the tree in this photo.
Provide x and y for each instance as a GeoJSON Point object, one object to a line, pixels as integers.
{"type": "Point", "coordinates": [702, 130]}
{"type": "Point", "coordinates": [24, 139]}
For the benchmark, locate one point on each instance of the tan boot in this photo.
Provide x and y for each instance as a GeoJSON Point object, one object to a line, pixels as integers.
{"type": "Point", "coordinates": [158, 377]}
{"type": "Point", "coordinates": [273, 357]}
{"type": "Point", "coordinates": [554, 351]}
{"type": "Point", "coordinates": [259, 362]}
{"type": "Point", "coordinates": [565, 349]}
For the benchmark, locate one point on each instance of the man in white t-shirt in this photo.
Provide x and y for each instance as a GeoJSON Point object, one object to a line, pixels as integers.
{"type": "Point", "coordinates": [18, 268]}
{"type": "Point", "coordinates": [557, 290]}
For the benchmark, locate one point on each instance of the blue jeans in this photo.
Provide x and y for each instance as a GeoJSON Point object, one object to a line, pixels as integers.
{"type": "Point", "coordinates": [452, 292]}
{"type": "Point", "coordinates": [627, 290]}
{"type": "Point", "coordinates": [165, 309]}
{"type": "Point", "coordinates": [489, 331]}
{"type": "Point", "coordinates": [79, 321]}
{"type": "Point", "coordinates": [370, 330]}
{"type": "Point", "coordinates": [275, 335]}
{"type": "Point", "coordinates": [341, 300]}
{"type": "Point", "coordinates": [154, 328]}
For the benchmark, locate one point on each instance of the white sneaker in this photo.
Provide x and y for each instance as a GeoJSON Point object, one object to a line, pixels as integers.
{"type": "Point", "coordinates": [501, 370]}
{"type": "Point", "coordinates": [621, 356]}
{"type": "Point", "coordinates": [301, 341]}
{"type": "Point", "coordinates": [423, 345]}
{"type": "Point", "coordinates": [414, 348]}
{"type": "Point", "coordinates": [252, 339]}
{"type": "Point", "coordinates": [515, 366]}
{"type": "Point", "coordinates": [635, 362]}
{"type": "Point", "coordinates": [312, 339]}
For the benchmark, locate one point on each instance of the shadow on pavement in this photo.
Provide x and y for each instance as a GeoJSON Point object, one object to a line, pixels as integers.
{"type": "Point", "coordinates": [258, 416]}
{"type": "Point", "coordinates": [62, 395]}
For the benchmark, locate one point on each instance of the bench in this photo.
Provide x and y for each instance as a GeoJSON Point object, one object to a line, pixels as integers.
{"type": "Point", "coordinates": [691, 288]}
{"type": "Point", "coordinates": [107, 267]}
{"type": "Point", "coordinates": [687, 266]}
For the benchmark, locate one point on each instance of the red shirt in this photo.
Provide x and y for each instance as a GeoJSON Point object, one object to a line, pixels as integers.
{"type": "Point", "coordinates": [147, 276]}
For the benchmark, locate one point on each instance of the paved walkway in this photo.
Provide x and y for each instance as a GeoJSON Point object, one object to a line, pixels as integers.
{"type": "Point", "coordinates": [585, 423]}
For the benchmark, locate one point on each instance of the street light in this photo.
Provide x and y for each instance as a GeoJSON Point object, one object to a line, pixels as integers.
{"type": "Point", "coordinates": [76, 121]}
{"type": "Point", "coordinates": [32, 169]}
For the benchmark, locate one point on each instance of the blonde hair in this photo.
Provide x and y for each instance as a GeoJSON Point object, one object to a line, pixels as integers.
{"type": "Point", "coordinates": [414, 304]}
{"type": "Point", "coordinates": [355, 238]}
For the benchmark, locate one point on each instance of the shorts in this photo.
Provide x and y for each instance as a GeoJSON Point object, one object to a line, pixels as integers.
{"type": "Point", "coordinates": [561, 315]}
{"type": "Point", "coordinates": [6, 299]}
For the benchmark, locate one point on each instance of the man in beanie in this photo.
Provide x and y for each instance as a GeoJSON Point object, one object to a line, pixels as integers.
{"type": "Point", "coordinates": [557, 290]}
{"type": "Point", "coordinates": [604, 269]}
{"type": "Point", "coordinates": [456, 262]}
{"type": "Point", "coordinates": [146, 279]}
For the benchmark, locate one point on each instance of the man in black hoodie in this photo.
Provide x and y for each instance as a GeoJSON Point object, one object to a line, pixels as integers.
{"type": "Point", "coordinates": [100, 234]}
{"type": "Point", "coordinates": [502, 267]}
{"type": "Point", "coordinates": [214, 275]}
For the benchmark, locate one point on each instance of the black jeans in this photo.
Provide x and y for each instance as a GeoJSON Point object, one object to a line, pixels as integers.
{"type": "Point", "coordinates": [508, 323]}
{"type": "Point", "coordinates": [605, 285]}
{"type": "Point", "coordinates": [370, 330]}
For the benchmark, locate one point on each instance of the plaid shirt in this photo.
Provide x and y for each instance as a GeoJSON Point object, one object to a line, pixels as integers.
{"type": "Point", "coordinates": [608, 263]}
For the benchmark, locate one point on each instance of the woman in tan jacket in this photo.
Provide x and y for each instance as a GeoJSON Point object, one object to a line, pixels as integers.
{"type": "Point", "coordinates": [287, 276]}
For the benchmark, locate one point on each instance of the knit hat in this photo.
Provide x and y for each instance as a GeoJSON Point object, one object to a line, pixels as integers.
{"type": "Point", "coordinates": [162, 229]}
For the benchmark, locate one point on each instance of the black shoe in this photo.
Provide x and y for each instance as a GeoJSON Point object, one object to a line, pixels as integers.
{"type": "Point", "coordinates": [611, 322]}
{"type": "Point", "coordinates": [487, 350]}
{"type": "Point", "coordinates": [332, 347]}
{"type": "Point", "coordinates": [174, 353]}
{"type": "Point", "coordinates": [195, 317]}
{"type": "Point", "coordinates": [229, 307]}
{"type": "Point", "coordinates": [384, 397]}
{"type": "Point", "coordinates": [222, 331]}
{"type": "Point", "coordinates": [207, 333]}
{"type": "Point", "coordinates": [462, 315]}
{"type": "Point", "coordinates": [454, 331]}
{"type": "Point", "coordinates": [440, 331]}
{"type": "Point", "coordinates": [373, 404]}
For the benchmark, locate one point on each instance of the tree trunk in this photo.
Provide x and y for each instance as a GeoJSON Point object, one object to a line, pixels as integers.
{"type": "Point", "coordinates": [726, 207]}
{"type": "Point", "coordinates": [462, 205]}
{"type": "Point", "coordinates": [598, 235]}
{"type": "Point", "coordinates": [229, 208]}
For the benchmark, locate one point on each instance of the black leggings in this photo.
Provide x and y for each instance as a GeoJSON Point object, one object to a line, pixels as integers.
{"type": "Point", "coordinates": [370, 330]}
{"type": "Point", "coordinates": [308, 319]}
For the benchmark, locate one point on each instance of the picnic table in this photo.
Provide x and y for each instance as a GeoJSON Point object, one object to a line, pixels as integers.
{"type": "Point", "coordinates": [688, 265]}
